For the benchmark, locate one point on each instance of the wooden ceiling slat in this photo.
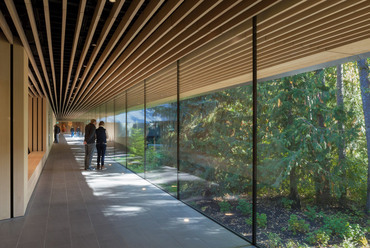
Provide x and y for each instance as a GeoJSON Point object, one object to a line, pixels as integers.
{"type": "Point", "coordinates": [316, 38]}
{"type": "Point", "coordinates": [30, 88]}
{"type": "Point", "coordinates": [306, 18]}
{"type": "Point", "coordinates": [98, 11]}
{"type": "Point", "coordinates": [147, 38]}
{"type": "Point", "coordinates": [35, 33]}
{"type": "Point", "coordinates": [129, 15]}
{"type": "Point", "coordinates": [50, 46]}
{"type": "Point", "coordinates": [62, 37]}
{"type": "Point", "coordinates": [165, 11]}
{"type": "Point", "coordinates": [105, 31]}
{"type": "Point", "coordinates": [17, 23]}
{"type": "Point", "coordinates": [81, 12]}
{"type": "Point", "coordinates": [5, 28]}
{"type": "Point", "coordinates": [34, 82]}
{"type": "Point", "coordinates": [216, 28]}
{"type": "Point", "coordinates": [331, 24]}
{"type": "Point", "coordinates": [204, 25]}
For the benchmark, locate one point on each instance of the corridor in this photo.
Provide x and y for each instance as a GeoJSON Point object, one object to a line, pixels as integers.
{"type": "Point", "coordinates": [71, 207]}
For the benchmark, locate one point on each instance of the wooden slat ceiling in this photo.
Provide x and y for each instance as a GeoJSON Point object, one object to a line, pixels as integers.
{"type": "Point", "coordinates": [86, 53]}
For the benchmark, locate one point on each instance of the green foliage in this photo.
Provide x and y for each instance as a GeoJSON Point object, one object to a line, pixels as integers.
{"type": "Point", "coordinates": [244, 207]}
{"type": "Point", "coordinates": [355, 233]}
{"type": "Point", "coordinates": [274, 240]}
{"type": "Point", "coordinates": [311, 213]}
{"type": "Point", "coordinates": [137, 142]}
{"type": "Point", "coordinates": [297, 225]}
{"type": "Point", "coordinates": [224, 206]}
{"type": "Point", "coordinates": [337, 224]}
{"type": "Point", "coordinates": [287, 204]}
{"type": "Point", "coordinates": [319, 237]}
{"type": "Point", "coordinates": [261, 220]}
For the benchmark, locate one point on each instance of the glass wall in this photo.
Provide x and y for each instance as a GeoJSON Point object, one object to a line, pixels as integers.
{"type": "Point", "coordinates": [311, 149]}
{"type": "Point", "coordinates": [120, 130]}
{"type": "Point", "coordinates": [161, 129]}
{"type": "Point", "coordinates": [136, 129]}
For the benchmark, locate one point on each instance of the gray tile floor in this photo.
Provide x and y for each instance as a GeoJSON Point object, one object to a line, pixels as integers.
{"type": "Point", "coordinates": [113, 208]}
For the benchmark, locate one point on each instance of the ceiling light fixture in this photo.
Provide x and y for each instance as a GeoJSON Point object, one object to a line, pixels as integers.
{"type": "Point", "coordinates": [93, 44]}
{"type": "Point", "coordinates": [112, 1]}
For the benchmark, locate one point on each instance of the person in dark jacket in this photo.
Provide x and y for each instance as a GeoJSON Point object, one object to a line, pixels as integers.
{"type": "Point", "coordinates": [89, 143]}
{"type": "Point", "coordinates": [101, 144]}
{"type": "Point", "coordinates": [72, 131]}
{"type": "Point", "coordinates": [56, 133]}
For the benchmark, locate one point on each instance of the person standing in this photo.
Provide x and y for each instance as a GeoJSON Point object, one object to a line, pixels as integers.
{"type": "Point", "coordinates": [72, 131]}
{"type": "Point", "coordinates": [56, 133]}
{"type": "Point", "coordinates": [78, 131]}
{"type": "Point", "coordinates": [101, 145]}
{"type": "Point", "coordinates": [89, 143]}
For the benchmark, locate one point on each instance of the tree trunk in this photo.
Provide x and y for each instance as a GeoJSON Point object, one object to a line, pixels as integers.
{"type": "Point", "coordinates": [293, 189]}
{"type": "Point", "coordinates": [341, 143]}
{"type": "Point", "coordinates": [322, 182]}
{"type": "Point", "coordinates": [293, 177]}
{"type": "Point", "coordinates": [363, 68]}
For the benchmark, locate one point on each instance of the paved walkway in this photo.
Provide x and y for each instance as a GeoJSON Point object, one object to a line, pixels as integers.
{"type": "Point", "coordinates": [106, 209]}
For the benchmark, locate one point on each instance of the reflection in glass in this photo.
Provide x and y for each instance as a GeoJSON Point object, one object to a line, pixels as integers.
{"type": "Point", "coordinates": [120, 146]}
{"type": "Point", "coordinates": [135, 129]}
{"type": "Point", "coordinates": [216, 156]}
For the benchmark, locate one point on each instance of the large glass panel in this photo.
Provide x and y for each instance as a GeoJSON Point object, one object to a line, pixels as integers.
{"type": "Point", "coordinates": [312, 153]}
{"type": "Point", "coordinates": [161, 129]}
{"type": "Point", "coordinates": [216, 130]}
{"type": "Point", "coordinates": [135, 129]}
{"type": "Point", "coordinates": [109, 126]}
{"type": "Point", "coordinates": [312, 159]}
{"type": "Point", "coordinates": [120, 146]}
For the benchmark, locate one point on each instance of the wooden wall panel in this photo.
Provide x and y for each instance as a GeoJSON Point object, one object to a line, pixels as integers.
{"type": "Point", "coordinates": [39, 124]}
{"type": "Point", "coordinates": [5, 128]}
{"type": "Point", "coordinates": [30, 123]}
{"type": "Point", "coordinates": [34, 124]}
{"type": "Point", "coordinates": [20, 124]}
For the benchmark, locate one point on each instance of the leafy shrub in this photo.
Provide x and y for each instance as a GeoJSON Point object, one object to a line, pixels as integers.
{"type": "Point", "coordinates": [274, 240]}
{"type": "Point", "coordinates": [261, 220]}
{"type": "Point", "coordinates": [287, 204]}
{"type": "Point", "coordinates": [356, 234]}
{"type": "Point", "coordinates": [292, 244]}
{"type": "Point", "coordinates": [244, 207]}
{"type": "Point", "coordinates": [312, 214]}
{"type": "Point", "coordinates": [224, 206]}
{"type": "Point", "coordinates": [336, 224]}
{"type": "Point", "coordinates": [320, 237]}
{"type": "Point", "coordinates": [297, 225]}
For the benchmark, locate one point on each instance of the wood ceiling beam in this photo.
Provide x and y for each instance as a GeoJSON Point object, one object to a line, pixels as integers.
{"type": "Point", "coordinates": [62, 37]}
{"type": "Point", "coordinates": [98, 11]}
{"type": "Point", "coordinates": [165, 11]}
{"type": "Point", "coordinates": [197, 19]}
{"type": "Point", "coordinates": [81, 12]}
{"type": "Point", "coordinates": [5, 28]}
{"type": "Point", "coordinates": [105, 31]}
{"type": "Point", "coordinates": [30, 89]}
{"type": "Point", "coordinates": [18, 25]}
{"type": "Point", "coordinates": [187, 42]}
{"type": "Point", "coordinates": [126, 20]}
{"type": "Point", "coordinates": [50, 46]}
{"type": "Point", "coordinates": [36, 38]}
{"type": "Point", "coordinates": [34, 82]}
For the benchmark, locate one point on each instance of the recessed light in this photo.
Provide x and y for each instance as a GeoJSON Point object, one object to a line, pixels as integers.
{"type": "Point", "coordinates": [112, 1]}
{"type": "Point", "coordinates": [93, 44]}
{"type": "Point", "coordinates": [186, 220]}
